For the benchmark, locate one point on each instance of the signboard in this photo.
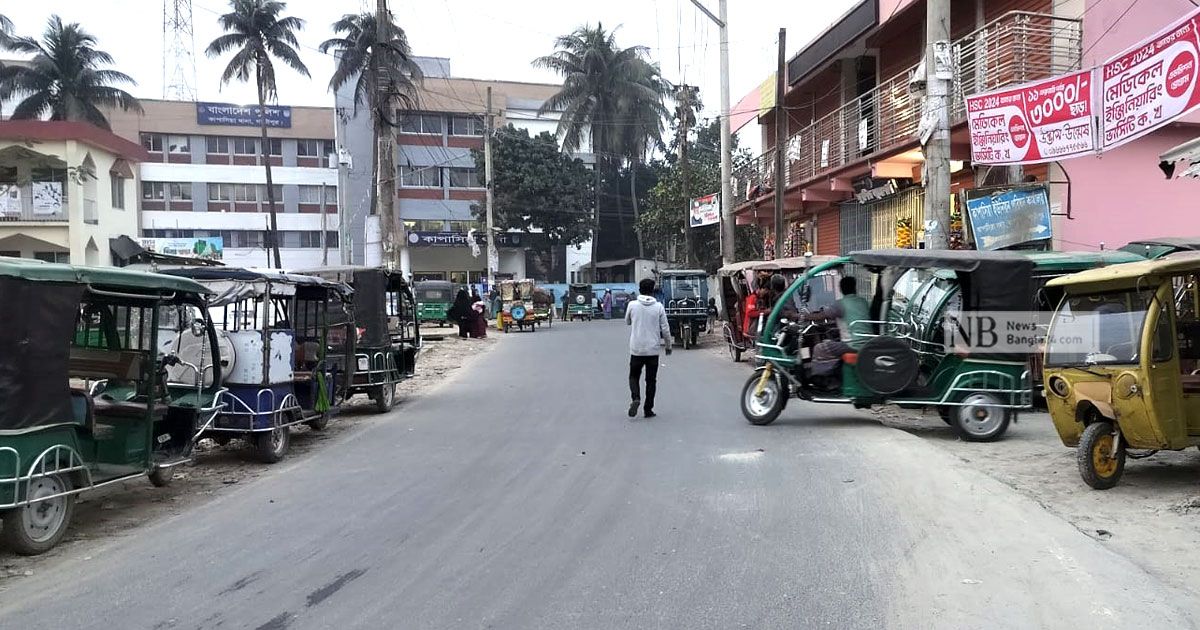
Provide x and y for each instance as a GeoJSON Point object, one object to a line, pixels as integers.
{"type": "Point", "coordinates": [1037, 122]}
{"type": "Point", "coordinates": [210, 248]}
{"type": "Point", "coordinates": [1009, 217]}
{"type": "Point", "coordinates": [1150, 84]}
{"type": "Point", "coordinates": [706, 210]}
{"type": "Point", "coordinates": [10, 199]}
{"type": "Point", "coordinates": [278, 116]}
{"type": "Point", "coordinates": [460, 239]}
{"type": "Point", "coordinates": [47, 198]}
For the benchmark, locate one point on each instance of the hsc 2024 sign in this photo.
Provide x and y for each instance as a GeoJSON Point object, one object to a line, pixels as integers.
{"type": "Point", "coordinates": [1037, 122]}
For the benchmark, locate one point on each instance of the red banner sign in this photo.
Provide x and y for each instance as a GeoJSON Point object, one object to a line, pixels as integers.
{"type": "Point", "coordinates": [1150, 84]}
{"type": "Point", "coordinates": [1037, 122]}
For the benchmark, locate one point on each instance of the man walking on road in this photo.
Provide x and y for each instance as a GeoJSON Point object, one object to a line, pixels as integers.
{"type": "Point", "coordinates": [650, 334]}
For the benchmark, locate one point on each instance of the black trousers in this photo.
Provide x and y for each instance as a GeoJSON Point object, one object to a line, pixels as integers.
{"type": "Point", "coordinates": [636, 364]}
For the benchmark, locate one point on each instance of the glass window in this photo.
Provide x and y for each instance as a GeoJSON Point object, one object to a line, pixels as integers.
{"type": "Point", "coordinates": [331, 238]}
{"type": "Point", "coordinates": [220, 192]}
{"type": "Point", "coordinates": [310, 194]}
{"type": "Point", "coordinates": [277, 189]}
{"type": "Point", "coordinates": [152, 142]}
{"type": "Point", "coordinates": [245, 192]}
{"type": "Point", "coordinates": [179, 144]}
{"type": "Point", "coordinates": [420, 177]}
{"type": "Point", "coordinates": [118, 190]}
{"type": "Point", "coordinates": [245, 146]}
{"type": "Point", "coordinates": [420, 123]}
{"type": "Point", "coordinates": [275, 145]}
{"type": "Point", "coordinates": [153, 191]}
{"type": "Point", "coordinates": [464, 178]}
{"type": "Point", "coordinates": [179, 191]}
{"type": "Point", "coordinates": [314, 148]}
{"type": "Point", "coordinates": [1098, 329]}
{"type": "Point", "coordinates": [465, 226]}
{"type": "Point", "coordinates": [466, 126]}
{"type": "Point", "coordinates": [217, 145]}
{"type": "Point", "coordinates": [427, 225]}
{"type": "Point", "coordinates": [310, 239]}
{"type": "Point", "coordinates": [54, 257]}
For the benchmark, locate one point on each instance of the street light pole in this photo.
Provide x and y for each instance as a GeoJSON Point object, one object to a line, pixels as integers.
{"type": "Point", "coordinates": [728, 250]}
{"type": "Point", "coordinates": [492, 254]}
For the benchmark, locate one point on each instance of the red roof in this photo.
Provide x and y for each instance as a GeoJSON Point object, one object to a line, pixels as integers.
{"type": "Point", "coordinates": [61, 130]}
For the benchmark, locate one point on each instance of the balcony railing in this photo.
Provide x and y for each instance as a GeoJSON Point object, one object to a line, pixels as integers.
{"type": "Point", "coordinates": [1016, 48]}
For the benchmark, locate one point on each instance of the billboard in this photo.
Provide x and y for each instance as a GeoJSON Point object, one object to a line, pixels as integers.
{"type": "Point", "coordinates": [705, 210]}
{"type": "Point", "coordinates": [278, 116]}
{"type": "Point", "coordinates": [418, 238]}
{"type": "Point", "coordinates": [1010, 217]}
{"type": "Point", "coordinates": [1150, 84]}
{"type": "Point", "coordinates": [210, 247]}
{"type": "Point", "coordinates": [1037, 122]}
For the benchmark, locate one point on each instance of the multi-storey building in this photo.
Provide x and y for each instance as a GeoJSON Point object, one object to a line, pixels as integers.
{"type": "Point", "coordinates": [203, 177]}
{"type": "Point", "coordinates": [853, 163]}
{"type": "Point", "coordinates": [438, 184]}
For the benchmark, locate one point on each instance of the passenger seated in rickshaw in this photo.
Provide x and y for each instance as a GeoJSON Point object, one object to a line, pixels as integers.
{"type": "Point", "coordinates": [852, 313]}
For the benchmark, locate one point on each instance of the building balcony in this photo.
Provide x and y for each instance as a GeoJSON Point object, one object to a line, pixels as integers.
{"type": "Point", "coordinates": [40, 214]}
{"type": "Point", "coordinates": [1016, 48]}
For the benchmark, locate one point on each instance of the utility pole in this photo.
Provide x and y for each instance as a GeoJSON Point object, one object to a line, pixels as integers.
{"type": "Point", "coordinates": [781, 134]}
{"type": "Point", "coordinates": [937, 113]}
{"type": "Point", "coordinates": [386, 194]}
{"type": "Point", "coordinates": [728, 234]}
{"type": "Point", "coordinates": [685, 112]}
{"type": "Point", "coordinates": [324, 229]}
{"type": "Point", "coordinates": [492, 255]}
{"type": "Point", "coordinates": [343, 182]}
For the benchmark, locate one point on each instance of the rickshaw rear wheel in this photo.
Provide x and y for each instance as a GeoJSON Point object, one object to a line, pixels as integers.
{"type": "Point", "coordinates": [36, 528]}
{"type": "Point", "coordinates": [762, 409]}
{"type": "Point", "coordinates": [385, 398]}
{"type": "Point", "coordinates": [1098, 465]}
{"type": "Point", "coordinates": [319, 423]}
{"type": "Point", "coordinates": [980, 418]}
{"type": "Point", "coordinates": [271, 446]}
{"type": "Point", "coordinates": [160, 477]}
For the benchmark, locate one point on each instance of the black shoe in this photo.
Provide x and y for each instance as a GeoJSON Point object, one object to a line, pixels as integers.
{"type": "Point", "coordinates": [651, 414]}
{"type": "Point", "coordinates": [633, 408]}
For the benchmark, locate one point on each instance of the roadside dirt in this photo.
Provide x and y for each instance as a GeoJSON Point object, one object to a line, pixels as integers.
{"type": "Point", "coordinates": [118, 510]}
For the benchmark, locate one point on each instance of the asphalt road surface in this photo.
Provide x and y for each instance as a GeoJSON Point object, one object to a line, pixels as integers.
{"type": "Point", "coordinates": [519, 495]}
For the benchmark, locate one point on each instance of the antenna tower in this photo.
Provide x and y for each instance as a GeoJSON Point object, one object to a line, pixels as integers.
{"type": "Point", "coordinates": [179, 59]}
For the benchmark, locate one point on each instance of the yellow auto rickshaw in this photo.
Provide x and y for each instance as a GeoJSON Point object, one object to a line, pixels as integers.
{"type": "Point", "coordinates": [1122, 363]}
{"type": "Point", "coordinates": [516, 299]}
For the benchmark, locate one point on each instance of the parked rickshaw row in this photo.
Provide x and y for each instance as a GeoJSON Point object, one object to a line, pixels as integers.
{"type": "Point", "coordinates": [111, 374]}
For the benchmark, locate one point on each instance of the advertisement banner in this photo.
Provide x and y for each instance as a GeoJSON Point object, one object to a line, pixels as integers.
{"type": "Point", "coordinates": [210, 248]}
{"type": "Point", "coordinates": [706, 210]}
{"type": "Point", "coordinates": [1150, 84]}
{"type": "Point", "coordinates": [1009, 217]}
{"type": "Point", "coordinates": [278, 116]}
{"type": "Point", "coordinates": [1042, 121]}
{"type": "Point", "coordinates": [418, 238]}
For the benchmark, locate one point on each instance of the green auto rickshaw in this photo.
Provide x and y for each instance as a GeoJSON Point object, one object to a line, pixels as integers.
{"type": "Point", "coordinates": [434, 298]}
{"type": "Point", "coordinates": [579, 302]}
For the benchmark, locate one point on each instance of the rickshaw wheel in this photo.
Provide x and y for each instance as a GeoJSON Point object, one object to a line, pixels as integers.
{"type": "Point", "coordinates": [1098, 465]}
{"type": "Point", "coordinates": [385, 398]}
{"type": "Point", "coordinates": [980, 418]}
{"type": "Point", "coordinates": [271, 446]}
{"type": "Point", "coordinates": [762, 409]}
{"type": "Point", "coordinates": [160, 477]}
{"type": "Point", "coordinates": [319, 423]}
{"type": "Point", "coordinates": [34, 529]}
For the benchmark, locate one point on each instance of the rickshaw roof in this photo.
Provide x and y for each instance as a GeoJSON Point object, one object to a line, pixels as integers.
{"type": "Point", "coordinates": [580, 285]}
{"type": "Point", "coordinates": [777, 264]}
{"type": "Point", "coordinates": [431, 284]}
{"type": "Point", "coordinates": [251, 275]}
{"type": "Point", "coordinates": [1065, 261]}
{"type": "Point", "coordinates": [967, 260]}
{"type": "Point", "coordinates": [682, 272]}
{"type": "Point", "coordinates": [1188, 243]}
{"type": "Point", "coordinates": [1180, 262]}
{"type": "Point", "coordinates": [115, 277]}
{"type": "Point", "coordinates": [346, 273]}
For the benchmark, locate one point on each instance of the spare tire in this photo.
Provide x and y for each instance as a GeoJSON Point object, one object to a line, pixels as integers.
{"type": "Point", "coordinates": [887, 365]}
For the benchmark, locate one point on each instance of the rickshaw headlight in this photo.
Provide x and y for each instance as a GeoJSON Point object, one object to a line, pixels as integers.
{"type": "Point", "coordinates": [1058, 386]}
{"type": "Point", "coordinates": [1126, 385]}
{"type": "Point", "coordinates": [364, 364]}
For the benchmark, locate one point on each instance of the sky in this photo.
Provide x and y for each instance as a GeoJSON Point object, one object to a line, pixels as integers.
{"type": "Point", "coordinates": [494, 39]}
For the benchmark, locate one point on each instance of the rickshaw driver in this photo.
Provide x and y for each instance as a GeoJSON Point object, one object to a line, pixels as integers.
{"type": "Point", "coordinates": [852, 313]}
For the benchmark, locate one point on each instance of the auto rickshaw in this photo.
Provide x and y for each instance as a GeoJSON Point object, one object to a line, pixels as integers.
{"type": "Point", "coordinates": [1122, 363]}
{"type": "Point", "coordinates": [108, 374]}
{"type": "Point", "coordinates": [737, 282]}
{"type": "Point", "coordinates": [388, 331]}
{"type": "Point", "coordinates": [543, 307]}
{"type": "Point", "coordinates": [434, 298]}
{"type": "Point", "coordinates": [516, 299]}
{"type": "Point", "coordinates": [289, 350]}
{"type": "Point", "coordinates": [684, 295]}
{"type": "Point", "coordinates": [579, 301]}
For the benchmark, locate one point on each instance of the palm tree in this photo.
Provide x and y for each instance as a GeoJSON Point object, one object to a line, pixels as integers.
{"type": "Point", "coordinates": [65, 79]}
{"type": "Point", "coordinates": [256, 33]}
{"type": "Point", "coordinates": [642, 129]}
{"type": "Point", "coordinates": [598, 80]}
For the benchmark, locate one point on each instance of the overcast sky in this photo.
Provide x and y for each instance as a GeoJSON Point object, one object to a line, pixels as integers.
{"type": "Point", "coordinates": [494, 39]}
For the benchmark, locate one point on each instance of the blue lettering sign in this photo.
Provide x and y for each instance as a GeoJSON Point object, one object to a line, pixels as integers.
{"type": "Point", "coordinates": [1011, 217]}
{"type": "Point", "coordinates": [277, 116]}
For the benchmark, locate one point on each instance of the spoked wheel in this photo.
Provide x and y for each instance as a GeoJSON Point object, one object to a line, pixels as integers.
{"type": "Point", "coordinates": [762, 407]}
{"type": "Point", "coordinates": [384, 398]}
{"type": "Point", "coordinates": [1099, 466]}
{"type": "Point", "coordinates": [36, 528]}
{"type": "Point", "coordinates": [271, 446]}
{"type": "Point", "coordinates": [980, 418]}
{"type": "Point", "coordinates": [735, 351]}
{"type": "Point", "coordinates": [160, 477]}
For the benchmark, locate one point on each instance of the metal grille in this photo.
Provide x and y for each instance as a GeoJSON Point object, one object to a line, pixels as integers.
{"type": "Point", "coordinates": [909, 204]}
{"type": "Point", "coordinates": [855, 228]}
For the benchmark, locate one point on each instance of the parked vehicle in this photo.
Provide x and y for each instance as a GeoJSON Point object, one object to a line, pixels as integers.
{"type": "Point", "coordinates": [684, 294]}
{"type": "Point", "coordinates": [579, 301]}
{"type": "Point", "coordinates": [289, 342]}
{"type": "Point", "coordinates": [387, 335]}
{"type": "Point", "coordinates": [737, 282]}
{"type": "Point", "coordinates": [108, 374]}
{"type": "Point", "coordinates": [434, 298]}
{"type": "Point", "coordinates": [1123, 363]}
{"type": "Point", "coordinates": [516, 299]}
{"type": "Point", "coordinates": [543, 307]}
{"type": "Point", "coordinates": [1158, 247]}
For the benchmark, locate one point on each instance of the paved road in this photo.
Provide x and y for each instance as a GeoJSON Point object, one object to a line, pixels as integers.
{"type": "Point", "coordinates": [520, 496]}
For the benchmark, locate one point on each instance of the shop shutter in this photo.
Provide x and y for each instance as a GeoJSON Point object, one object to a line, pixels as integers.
{"type": "Point", "coordinates": [828, 233]}
{"type": "Point", "coordinates": [908, 204]}
{"type": "Point", "coordinates": [855, 229]}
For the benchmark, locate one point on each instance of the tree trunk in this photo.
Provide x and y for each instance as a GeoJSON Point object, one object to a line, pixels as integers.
{"type": "Point", "coordinates": [596, 217]}
{"type": "Point", "coordinates": [620, 207]}
{"type": "Point", "coordinates": [633, 196]}
{"type": "Point", "coordinates": [273, 232]}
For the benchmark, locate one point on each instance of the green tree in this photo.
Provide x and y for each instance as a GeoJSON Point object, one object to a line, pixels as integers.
{"type": "Point", "coordinates": [536, 187]}
{"type": "Point", "coordinates": [66, 79]}
{"type": "Point", "coordinates": [641, 128]}
{"type": "Point", "coordinates": [257, 33]}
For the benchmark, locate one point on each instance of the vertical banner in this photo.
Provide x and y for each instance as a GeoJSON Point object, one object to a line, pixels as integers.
{"type": "Point", "coordinates": [706, 210]}
{"type": "Point", "coordinates": [1150, 84]}
{"type": "Point", "coordinates": [1037, 122]}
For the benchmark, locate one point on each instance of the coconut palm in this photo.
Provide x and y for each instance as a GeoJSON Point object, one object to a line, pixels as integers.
{"type": "Point", "coordinates": [66, 78]}
{"type": "Point", "coordinates": [600, 80]}
{"type": "Point", "coordinates": [257, 33]}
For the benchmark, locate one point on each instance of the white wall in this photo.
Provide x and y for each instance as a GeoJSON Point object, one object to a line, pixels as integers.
{"type": "Point", "coordinates": [235, 174]}
{"type": "Point", "coordinates": [182, 220]}
{"type": "Point", "coordinates": [576, 258]}
{"type": "Point", "coordinates": [293, 258]}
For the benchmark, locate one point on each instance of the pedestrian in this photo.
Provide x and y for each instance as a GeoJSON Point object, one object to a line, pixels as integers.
{"type": "Point", "coordinates": [479, 322]}
{"type": "Point", "coordinates": [607, 303]}
{"type": "Point", "coordinates": [712, 314]}
{"type": "Point", "coordinates": [649, 335]}
{"type": "Point", "coordinates": [461, 312]}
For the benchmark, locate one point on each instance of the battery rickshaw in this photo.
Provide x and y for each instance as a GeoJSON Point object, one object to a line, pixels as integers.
{"type": "Point", "coordinates": [108, 375]}
{"type": "Point", "coordinates": [1122, 363]}
{"type": "Point", "coordinates": [902, 360]}
{"type": "Point", "coordinates": [737, 281]}
{"type": "Point", "coordinates": [684, 295]}
{"type": "Point", "coordinates": [543, 307]}
{"type": "Point", "coordinates": [579, 301]}
{"type": "Point", "coordinates": [387, 335]}
{"type": "Point", "coordinates": [516, 305]}
{"type": "Point", "coordinates": [289, 340]}
{"type": "Point", "coordinates": [434, 298]}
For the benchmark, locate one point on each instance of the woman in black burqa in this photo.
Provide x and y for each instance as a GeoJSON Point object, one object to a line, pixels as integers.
{"type": "Point", "coordinates": [462, 313]}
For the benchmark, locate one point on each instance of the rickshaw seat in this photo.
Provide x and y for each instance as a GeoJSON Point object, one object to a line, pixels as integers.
{"type": "Point", "coordinates": [1190, 383]}
{"type": "Point", "coordinates": [113, 364]}
{"type": "Point", "coordinates": [303, 377]}
{"type": "Point", "coordinates": [112, 408]}
{"type": "Point", "coordinates": [850, 358]}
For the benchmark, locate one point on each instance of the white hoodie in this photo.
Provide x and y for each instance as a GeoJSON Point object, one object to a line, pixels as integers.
{"type": "Point", "coordinates": [650, 329]}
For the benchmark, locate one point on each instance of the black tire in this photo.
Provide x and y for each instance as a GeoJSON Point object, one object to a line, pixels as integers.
{"type": "Point", "coordinates": [319, 423]}
{"type": "Point", "coordinates": [384, 397]}
{"type": "Point", "coordinates": [763, 410]}
{"type": "Point", "coordinates": [1099, 470]}
{"type": "Point", "coordinates": [271, 446]}
{"type": "Point", "coordinates": [695, 336]}
{"type": "Point", "coordinates": [160, 477]}
{"type": "Point", "coordinates": [737, 355]}
{"type": "Point", "coordinates": [946, 414]}
{"type": "Point", "coordinates": [47, 521]}
{"type": "Point", "coordinates": [979, 418]}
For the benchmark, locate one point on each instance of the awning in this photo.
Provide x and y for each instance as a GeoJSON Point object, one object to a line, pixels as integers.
{"type": "Point", "coordinates": [1189, 153]}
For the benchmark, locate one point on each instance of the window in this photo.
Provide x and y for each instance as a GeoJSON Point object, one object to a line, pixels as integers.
{"type": "Point", "coordinates": [310, 194]}
{"type": "Point", "coordinates": [277, 189]}
{"type": "Point", "coordinates": [245, 192]}
{"type": "Point", "coordinates": [464, 178]}
{"type": "Point", "coordinates": [243, 238]}
{"type": "Point", "coordinates": [420, 123]}
{"type": "Point", "coordinates": [310, 239]}
{"type": "Point", "coordinates": [220, 192]}
{"type": "Point", "coordinates": [275, 146]}
{"type": "Point", "coordinates": [217, 145]}
{"type": "Point", "coordinates": [155, 191]}
{"type": "Point", "coordinates": [466, 126]}
{"type": "Point", "coordinates": [420, 177]}
{"type": "Point", "coordinates": [10, 253]}
{"type": "Point", "coordinates": [314, 148]}
{"type": "Point", "coordinates": [464, 226]}
{"type": "Point", "coordinates": [179, 144]}
{"type": "Point", "coordinates": [331, 238]}
{"type": "Point", "coordinates": [177, 191]}
{"type": "Point", "coordinates": [152, 142]}
{"type": "Point", "coordinates": [118, 190]}
{"type": "Point", "coordinates": [53, 257]}
{"type": "Point", "coordinates": [245, 146]}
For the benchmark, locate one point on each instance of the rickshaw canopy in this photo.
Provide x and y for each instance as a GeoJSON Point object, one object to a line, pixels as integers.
{"type": "Point", "coordinates": [39, 271]}
{"type": "Point", "coordinates": [991, 280]}
{"type": "Point", "coordinates": [235, 284]}
{"type": "Point", "coordinates": [1130, 274]}
{"type": "Point", "coordinates": [371, 286]}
